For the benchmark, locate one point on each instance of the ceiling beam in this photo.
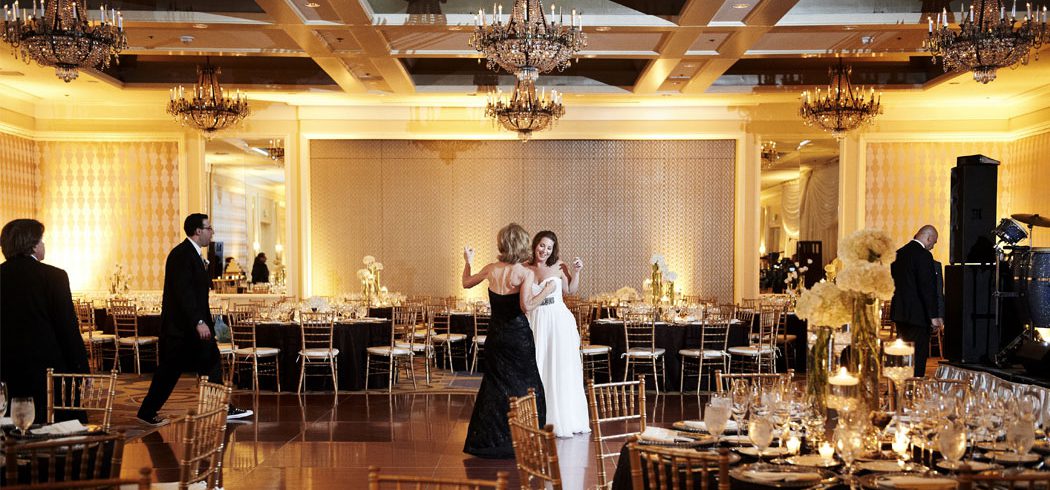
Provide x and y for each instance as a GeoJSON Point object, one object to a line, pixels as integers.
{"type": "Point", "coordinates": [762, 19]}
{"type": "Point", "coordinates": [358, 16]}
{"type": "Point", "coordinates": [695, 14]}
{"type": "Point", "coordinates": [310, 41]}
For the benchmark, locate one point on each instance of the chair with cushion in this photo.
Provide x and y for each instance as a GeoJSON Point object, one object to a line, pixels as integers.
{"type": "Point", "coordinates": [393, 359]}
{"type": "Point", "coordinates": [596, 358]}
{"type": "Point", "coordinates": [260, 360]}
{"type": "Point", "coordinates": [760, 355]}
{"type": "Point", "coordinates": [100, 346]}
{"type": "Point", "coordinates": [641, 349]}
{"type": "Point", "coordinates": [621, 407]}
{"type": "Point", "coordinates": [91, 393]}
{"type": "Point", "coordinates": [377, 481]}
{"type": "Point", "coordinates": [421, 342]}
{"type": "Point", "coordinates": [126, 326]}
{"type": "Point", "coordinates": [710, 353]}
{"type": "Point", "coordinates": [444, 337]}
{"type": "Point", "coordinates": [481, 330]}
{"type": "Point", "coordinates": [315, 333]}
{"type": "Point", "coordinates": [671, 468]}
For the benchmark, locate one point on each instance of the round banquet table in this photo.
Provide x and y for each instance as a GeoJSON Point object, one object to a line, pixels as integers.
{"type": "Point", "coordinates": [351, 337]}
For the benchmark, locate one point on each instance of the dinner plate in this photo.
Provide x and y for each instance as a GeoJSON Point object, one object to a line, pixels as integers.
{"type": "Point", "coordinates": [768, 453]}
{"type": "Point", "coordinates": [700, 426]}
{"type": "Point", "coordinates": [736, 439]}
{"type": "Point", "coordinates": [906, 481]}
{"type": "Point", "coordinates": [993, 446]}
{"type": "Point", "coordinates": [783, 476]}
{"type": "Point", "coordinates": [880, 466]}
{"type": "Point", "coordinates": [1004, 457]}
{"type": "Point", "coordinates": [813, 460]}
{"type": "Point", "coordinates": [974, 465]}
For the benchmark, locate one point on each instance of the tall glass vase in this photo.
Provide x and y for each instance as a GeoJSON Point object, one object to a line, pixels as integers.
{"type": "Point", "coordinates": [818, 365]}
{"type": "Point", "coordinates": [865, 356]}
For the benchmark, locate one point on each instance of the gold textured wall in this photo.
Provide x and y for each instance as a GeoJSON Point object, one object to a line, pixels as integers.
{"type": "Point", "coordinates": [909, 184]}
{"type": "Point", "coordinates": [105, 203]}
{"type": "Point", "coordinates": [414, 205]}
{"type": "Point", "coordinates": [19, 178]}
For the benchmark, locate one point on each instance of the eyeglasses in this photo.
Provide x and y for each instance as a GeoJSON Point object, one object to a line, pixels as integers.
{"type": "Point", "coordinates": [207, 228]}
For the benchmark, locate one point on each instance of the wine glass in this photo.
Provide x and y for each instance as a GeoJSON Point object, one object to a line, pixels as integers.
{"type": "Point", "coordinates": [3, 398]}
{"type": "Point", "coordinates": [898, 364]}
{"type": "Point", "coordinates": [716, 416]}
{"type": "Point", "coordinates": [848, 444]}
{"type": "Point", "coordinates": [760, 431]}
{"type": "Point", "coordinates": [951, 442]}
{"type": "Point", "coordinates": [22, 413]}
{"type": "Point", "coordinates": [741, 401]}
{"type": "Point", "coordinates": [1020, 437]}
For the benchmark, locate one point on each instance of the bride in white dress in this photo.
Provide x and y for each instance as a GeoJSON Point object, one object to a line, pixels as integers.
{"type": "Point", "coordinates": [557, 340]}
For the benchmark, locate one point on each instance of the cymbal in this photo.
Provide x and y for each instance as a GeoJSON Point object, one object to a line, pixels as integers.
{"type": "Point", "coordinates": [1032, 219]}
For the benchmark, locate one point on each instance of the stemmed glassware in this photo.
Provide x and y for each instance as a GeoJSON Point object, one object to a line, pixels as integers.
{"type": "Point", "coordinates": [760, 431]}
{"type": "Point", "coordinates": [951, 442]}
{"type": "Point", "coordinates": [1020, 436]}
{"type": "Point", "coordinates": [22, 413]}
{"type": "Point", "coordinates": [3, 398]}
{"type": "Point", "coordinates": [716, 416]}
{"type": "Point", "coordinates": [849, 443]}
{"type": "Point", "coordinates": [898, 364]}
{"type": "Point", "coordinates": [741, 398]}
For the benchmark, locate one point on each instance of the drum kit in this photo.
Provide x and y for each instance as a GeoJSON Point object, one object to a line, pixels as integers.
{"type": "Point", "coordinates": [1030, 267]}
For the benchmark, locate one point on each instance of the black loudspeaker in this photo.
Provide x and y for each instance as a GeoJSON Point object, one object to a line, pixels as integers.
{"type": "Point", "coordinates": [216, 259]}
{"type": "Point", "coordinates": [973, 203]}
{"type": "Point", "coordinates": [970, 332]}
{"type": "Point", "coordinates": [1035, 357]}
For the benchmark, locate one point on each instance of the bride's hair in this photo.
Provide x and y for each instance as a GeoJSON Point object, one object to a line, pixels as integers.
{"type": "Point", "coordinates": [513, 244]}
{"type": "Point", "coordinates": [553, 259]}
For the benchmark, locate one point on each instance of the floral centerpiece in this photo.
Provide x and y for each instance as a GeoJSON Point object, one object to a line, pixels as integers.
{"type": "Point", "coordinates": [317, 303]}
{"type": "Point", "coordinates": [655, 283]}
{"type": "Point", "coordinates": [119, 281]}
{"type": "Point", "coordinates": [825, 309]}
{"type": "Point", "coordinates": [369, 277]}
{"type": "Point", "coordinates": [863, 279]}
{"type": "Point", "coordinates": [795, 281]}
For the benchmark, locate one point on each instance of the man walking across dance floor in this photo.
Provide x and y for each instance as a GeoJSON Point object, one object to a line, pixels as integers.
{"type": "Point", "coordinates": [187, 340]}
{"type": "Point", "coordinates": [914, 309]}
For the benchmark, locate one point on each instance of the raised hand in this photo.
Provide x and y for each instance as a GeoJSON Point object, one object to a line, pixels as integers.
{"type": "Point", "coordinates": [577, 264]}
{"type": "Point", "coordinates": [468, 254]}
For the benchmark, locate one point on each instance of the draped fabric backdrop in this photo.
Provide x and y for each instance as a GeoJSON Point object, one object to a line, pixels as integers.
{"type": "Point", "coordinates": [414, 205]}
{"type": "Point", "coordinates": [819, 215]}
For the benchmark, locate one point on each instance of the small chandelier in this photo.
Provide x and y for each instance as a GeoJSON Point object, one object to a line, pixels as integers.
{"type": "Point", "coordinates": [770, 155]}
{"type": "Point", "coordinates": [59, 34]}
{"type": "Point", "coordinates": [987, 38]}
{"type": "Point", "coordinates": [527, 44]}
{"type": "Point", "coordinates": [842, 107]}
{"type": "Point", "coordinates": [525, 112]}
{"type": "Point", "coordinates": [210, 107]}
{"type": "Point", "coordinates": [275, 150]}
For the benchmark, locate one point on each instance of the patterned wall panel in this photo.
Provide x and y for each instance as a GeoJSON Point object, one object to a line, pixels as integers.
{"type": "Point", "coordinates": [1024, 182]}
{"type": "Point", "coordinates": [19, 178]}
{"type": "Point", "coordinates": [106, 203]}
{"type": "Point", "coordinates": [414, 205]}
{"type": "Point", "coordinates": [909, 185]}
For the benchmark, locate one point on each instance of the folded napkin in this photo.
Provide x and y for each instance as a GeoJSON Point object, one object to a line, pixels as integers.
{"type": "Point", "coordinates": [918, 482]}
{"type": "Point", "coordinates": [61, 428]}
{"type": "Point", "coordinates": [658, 434]}
{"type": "Point", "coordinates": [700, 425]}
{"type": "Point", "coordinates": [6, 421]}
{"type": "Point", "coordinates": [775, 476]}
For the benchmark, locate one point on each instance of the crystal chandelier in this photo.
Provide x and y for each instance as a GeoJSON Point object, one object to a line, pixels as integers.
{"type": "Point", "coordinates": [209, 108]}
{"type": "Point", "coordinates": [527, 44]}
{"type": "Point", "coordinates": [770, 155]}
{"type": "Point", "coordinates": [525, 112]}
{"type": "Point", "coordinates": [987, 38]}
{"type": "Point", "coordinates": [275, 150]}
{"type": "Point", "coordinates": [58, 34]}
{"type": "Point", "coordinates": [842, 107]}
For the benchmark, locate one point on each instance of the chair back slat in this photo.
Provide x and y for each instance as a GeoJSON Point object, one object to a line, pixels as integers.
{"type": "Point", "coordinates": [202, 446]}
{"type": "Point", "coordinates": [125, 320]}
{"type": "Point", "coordinates": [85, 316]}
{"type": "Point", "coordinates": [621, 402]}
{"type": "Point", "coordinates": [481, 324]}
{"type": "Point", "coordinates": [535, 453]}
{"type": "Point", "coordinates": [714, 335]}
{"type": "Point", "coordinates": [669, 468]}
{"type": "Point", "coordinates": [724, 381]}
{"type": "Point", "coordinates": [242, 328]}
{"type": "Point", "coordinates": [524, 409]}
{"type": "Point", "coordinates": [98, 457]}
{"type": "Point", "coordinates": [316, 330]}
{"type": "Point", "coordinates": [377, 481]}
{"type": "Point", "coordinates": [87, 392]}
{"type": "Point", "coordinates": [640, 334]}
{"type": "Point", "coordinates": [211, 396]}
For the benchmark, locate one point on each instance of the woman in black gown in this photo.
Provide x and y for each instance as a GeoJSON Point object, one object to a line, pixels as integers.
{"type": "Point", "coordinates": [510, 353]}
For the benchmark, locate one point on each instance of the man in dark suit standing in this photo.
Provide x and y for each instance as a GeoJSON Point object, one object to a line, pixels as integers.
{"type": "Point", "coordinates": [38, 325]}
{"type": "Point", "coordinates": [187, 340]}
{"type": "Point", "coordinates": [915, 308]}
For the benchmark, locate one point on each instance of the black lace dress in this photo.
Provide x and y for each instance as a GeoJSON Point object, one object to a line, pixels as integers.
{"type": "Point", "coordinates": [510, 370]}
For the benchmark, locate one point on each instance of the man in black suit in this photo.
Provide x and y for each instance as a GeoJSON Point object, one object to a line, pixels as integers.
{"type": "Point", "coordinates": [187, 340]}
{"type": "Point", "coordinates": [915, 308]}
{"type": "Point", "coordinates": [38, 325]}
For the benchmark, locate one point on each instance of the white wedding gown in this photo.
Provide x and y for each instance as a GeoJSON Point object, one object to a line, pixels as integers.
{"type": "Point", "coordinates": [558, 359]}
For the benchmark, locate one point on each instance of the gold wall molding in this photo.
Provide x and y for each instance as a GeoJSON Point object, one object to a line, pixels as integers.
{"type": "Point", "coordinates": [613, 203]}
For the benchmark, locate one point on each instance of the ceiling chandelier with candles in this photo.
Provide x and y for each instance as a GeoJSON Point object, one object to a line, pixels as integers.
{"type": "Point", "coordinates": [987, 38]}
{"type": "Point", "coordinates": [275, 150]}
{"type": "Point", "coordinates": [59, 34]}
{"type": "Point", "coordinates": [207, 107]}
{"type": "Point", "coordinates": [841, 107]}
{"type": "Point", "coordinates": [525, 112]}
{"type": "Point", "coordinates": [526, 43]}
{"type": "Point", "coordinates": [770, 155]}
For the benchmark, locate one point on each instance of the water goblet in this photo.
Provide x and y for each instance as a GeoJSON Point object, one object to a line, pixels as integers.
{"type": "Point", "coordinates": [1020, 437]}
{"type": "Point", "coordinates": [22, 413]}
{"type": "Point", "coordinates": [898, 364]}
{"type": "Point", "coordinates": [760, 431]}
{"type": "Point", "coordinates": [848, 444]}
{"type": "Point", "coordinates": [951, 442]}
{"type": "Point", "coordinates": [716, 416]}
{"type": "Point", "coordinates": [741, 401]}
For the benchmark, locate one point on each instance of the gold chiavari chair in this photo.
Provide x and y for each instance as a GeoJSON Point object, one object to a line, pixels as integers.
{"type": "Point", "coordinates": [316, 331]}
{"type": "Point", "coordinates": [596, 358]}
{"type": "Point", "coordinates": [261, 360]}
{"type": "Point", "coordinates": [886, 324]}
{"type": "Point", "coordinates": [670, 468]}
{"type": "Point", "coordinates": [98, 344]}
{"type": "Point", "coordinates": [392, 359]}
{"type": "Point", "coordinates": [724, 381]}
{"type": "Point", "coordinates": [641, 349]}
{"type": "Point", "coordinates": [621, 405]}
{"type": "Point", "coordinates": [212, 395]}
{"type": "Point", "coordinates": [421, 342]}
{"type": "Point", "coordinates": [52, 461]}
{"type": "Point", "coordinates": [443, 336]}
{"type": "Point", "coordinates": [711, 351]}
{"type": "Point", "coordinates": [86, 392]}
{"type": "Point", "coordinates": [203, 439]}
{"type": "Point", "coordinates": [481, 330]}
{"type": "Point", "coordinates": [1003, 480]}
{"type": "Point", "coordinates": [218, 312]}
{"type": "Point", "coordinates": [760, 354]}
{"type": "Point", "coordinates": [404, 482]}
{"type": "Point", "coordinates": [524, 408]}
{"type": "Point", "coordinates": [126, 326]}
{"type": "Point", "coordinates": [143, 482]}
{"type": "Point", "coordinates": [785, 342]}
{"type": "Point", "coordinates": [535, 452]}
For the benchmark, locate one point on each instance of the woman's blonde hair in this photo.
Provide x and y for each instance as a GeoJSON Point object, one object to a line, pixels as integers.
{"type": "Point", "coordinates": [513, 244]}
